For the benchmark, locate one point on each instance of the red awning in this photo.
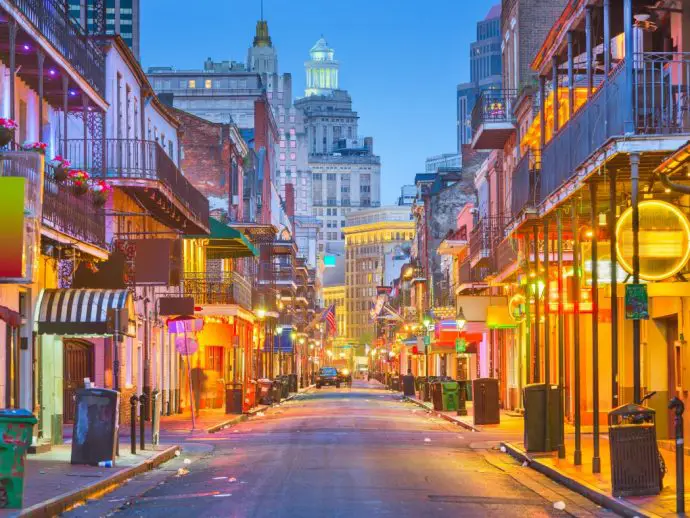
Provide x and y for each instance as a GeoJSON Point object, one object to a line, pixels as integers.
{"type": "Point", "coordinates": [445, 347]}
{"type": "Point", "coordinates": [12, 318]}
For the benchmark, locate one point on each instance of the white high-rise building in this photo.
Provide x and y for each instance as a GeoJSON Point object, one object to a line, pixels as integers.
{"type": "Point", "coordinates": [346, 174]}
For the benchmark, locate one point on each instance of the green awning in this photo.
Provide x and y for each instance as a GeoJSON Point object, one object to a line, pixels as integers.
{"type": "Point", "coordinates": [226, 242]}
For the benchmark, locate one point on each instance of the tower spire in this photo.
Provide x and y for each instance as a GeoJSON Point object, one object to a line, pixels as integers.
{"type": "Point", "coordinates": [262, 10]}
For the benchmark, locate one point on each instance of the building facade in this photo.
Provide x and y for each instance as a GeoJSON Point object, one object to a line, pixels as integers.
{"type": "Point", "coordinates": [377, 244]}
{"type": "Point", "coordinates": [121, 17]}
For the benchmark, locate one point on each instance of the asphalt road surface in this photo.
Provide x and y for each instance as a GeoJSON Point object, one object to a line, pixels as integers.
{"type": "Point", "coordinates": [357, 452]}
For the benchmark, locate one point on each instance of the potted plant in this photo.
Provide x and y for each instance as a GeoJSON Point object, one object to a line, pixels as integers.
{"type": "Point", "coordinates": [79, 180]}
{"type": "Point", "coordinates": [101, 191]}
{"type": "Point", "coordinates": [7, 127]}
{"type": "Point", "coordinates": [60, 167]}
{"type": "Point", "coordinates": [38, 147]}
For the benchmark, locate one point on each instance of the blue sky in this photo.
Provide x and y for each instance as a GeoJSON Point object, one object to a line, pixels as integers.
{"type": "Point", "coordinates": [400, 60]}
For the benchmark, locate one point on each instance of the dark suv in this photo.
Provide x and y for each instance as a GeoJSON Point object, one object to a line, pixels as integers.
{"type": "Point", "coordinates": [327, 376]}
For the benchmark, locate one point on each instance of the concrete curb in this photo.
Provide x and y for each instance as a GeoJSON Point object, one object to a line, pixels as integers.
{"type": "Point", "coordinates": [59, 504]}
{"type": "Point", "coordinates": [448, 418]}
{"type": "Point", "coordinates": [597, 496]}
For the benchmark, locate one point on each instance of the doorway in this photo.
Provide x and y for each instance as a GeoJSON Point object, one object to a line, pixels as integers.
{"type": "Point", "coordinates": [78, 364]}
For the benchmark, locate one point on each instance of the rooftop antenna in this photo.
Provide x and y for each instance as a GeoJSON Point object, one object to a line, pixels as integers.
{"type": "Point", "coordinates": [262, 10]}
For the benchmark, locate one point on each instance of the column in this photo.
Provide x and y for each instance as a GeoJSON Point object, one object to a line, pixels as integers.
{"type": "Point", "coordinates": [13, 66]}
{"type": "Point", "coordinates": [40, 58]}
{"type": "Point", "coordinates": [588, 51]}
{"type": "Point", "coordinates": [576, 334]}
{"type": "Point", "coordinates": [596, 461]}
{"type": "Point", "coordinates": [635, 188]}
{"type": "Point", "coordinates": [554, 66]}
{"type": "Point", "coordinates": [571, 76]}
{"type": "Point", "coordinates": [614, 288]}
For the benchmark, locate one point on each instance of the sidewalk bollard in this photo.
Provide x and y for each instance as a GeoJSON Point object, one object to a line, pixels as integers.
{"type": "Point", "coordinates": [133, 422]}
{"type": "Point", "coordinates": [462, 407]}
{"type": "Point", "coordinates": [142, 421]}
{"type": "Point", "coordinates": [155, 417]}
{"type": "Point", "coordinates": [678, 406]}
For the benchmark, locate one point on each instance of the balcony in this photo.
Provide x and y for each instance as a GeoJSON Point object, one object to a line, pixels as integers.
{"type": "Point", "coordinates": [143, 168]}
{"type": "Point", "coordinates": [525, 186]}
{"type": "Point", "coordinates": [661, 93]}
{"type": "Point", "coordinates": [224, 288]}
{"type": "Point", "coordinates": [506, 255]}
{"type": "Point", "coordinates": [49, 18]}
{"type": "Point", "coordinates": [493, 121]}
{"type": "Point", "coordinates": [483, 240]}
{"type": "Point", "coordinates": [74, 216]}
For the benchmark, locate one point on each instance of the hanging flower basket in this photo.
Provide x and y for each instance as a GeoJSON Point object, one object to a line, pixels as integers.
{"type": "Point", "coordinates": [7, 127]}
{"type": "Point", "coordinates": [79, 180]}
{"type": "Point", "coordinates": [101, 192]}
{"type": "Point", "coordinates": [60, 167]}
{"type": "Point", "coordinates": [38, 147]}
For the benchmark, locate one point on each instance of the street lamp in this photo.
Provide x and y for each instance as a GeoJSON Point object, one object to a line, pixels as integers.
{"type": "Point", "coordinates": [460, 320]}
{"type": "Point", "coordinates": [279, 330]}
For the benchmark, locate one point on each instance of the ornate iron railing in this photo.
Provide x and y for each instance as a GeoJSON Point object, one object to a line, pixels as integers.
{"type": "Point", "coordinates": [218, 288]}
{"type": "Point", "coordinates": [136, 159]}
{"type": "Point", "coordinates": [525, 185]}
{"type": "Point", "coordinates": [493, 106]}
{"type": "Point", "coordinates": [53, 22]}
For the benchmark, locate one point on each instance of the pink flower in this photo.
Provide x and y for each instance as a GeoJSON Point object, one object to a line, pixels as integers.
{"type": "Point", "coordinates": [8, 123]}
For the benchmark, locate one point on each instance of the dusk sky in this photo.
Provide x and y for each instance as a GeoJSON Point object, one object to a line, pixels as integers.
{"type": "Point", "coordinates": [400, 60]}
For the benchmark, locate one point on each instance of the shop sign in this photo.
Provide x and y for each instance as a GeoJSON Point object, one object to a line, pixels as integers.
{"type": "Point", "coordinates": [636, 302]}
{"type": "Point", "coordinates": [460, 345]}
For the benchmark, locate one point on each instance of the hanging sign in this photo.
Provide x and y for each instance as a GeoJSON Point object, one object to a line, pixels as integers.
{"type": "Point", "coordinates": [636, 302]}
{"type": "Point", "coordinates": [460, 345]}
{"type": "Point", "coordinates": [186, 345]}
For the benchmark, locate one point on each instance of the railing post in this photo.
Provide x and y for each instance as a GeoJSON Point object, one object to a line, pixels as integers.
{"type": "Point", "coordinates": [133, 423]}
{"type": "Point", "coordinates": [142, 421]}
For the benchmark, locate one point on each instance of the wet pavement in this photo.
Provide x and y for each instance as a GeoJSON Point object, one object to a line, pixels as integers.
{"type": "Point", "coordinates": [342, 453]}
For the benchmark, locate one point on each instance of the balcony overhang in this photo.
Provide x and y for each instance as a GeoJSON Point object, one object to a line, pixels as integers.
{"type": "Point", "coordinates": [492, 135]}
{"type": "Point", "coordinates": [453, 246]}
{"type": "Point", "coordinates": [64, 239]}
{"type": "Point", "coordinates": [466, 287]}
{"type": "Point", "coordinates": [159, 199]}
{"type": "Point", "coordinates": [481, 258]}
{"type": "Point", "coordinates": [225, 310]}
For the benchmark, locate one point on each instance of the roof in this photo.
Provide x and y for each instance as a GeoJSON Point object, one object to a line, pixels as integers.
{"type": "Point", "coordinates": [494, 12]}
{"type": "Point", "coordinates": [226, 242]}
{"type": "Point", "coordinates": [320, 45]}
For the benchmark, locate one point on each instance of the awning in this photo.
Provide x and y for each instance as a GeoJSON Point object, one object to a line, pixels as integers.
{"type": "Point", "coordinates": [445, 347]}
{"type": "Point", "coordinates": [498, 317]}
{"type": "Point", "coordinates": [226, 242]}
{"type": "Point", "coordinates": [78, 312]}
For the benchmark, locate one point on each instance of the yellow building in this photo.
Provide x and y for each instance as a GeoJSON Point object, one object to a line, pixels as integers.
{"type": "Point", "coordinates": [377, 245]}
{"type": "Point", "coordinates": [335, 296]}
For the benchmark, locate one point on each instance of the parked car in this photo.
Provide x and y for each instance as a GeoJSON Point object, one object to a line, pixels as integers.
{"type": "Point", "coordinates": [327, 376]}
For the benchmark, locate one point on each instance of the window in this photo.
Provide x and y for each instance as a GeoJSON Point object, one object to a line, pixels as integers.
{"type": "Point", "coordinates": [317, 176]}
{"type": "Point", "coordinates": [293, 156]}
{"type": "Point", "coordinates": [293, 144]}
{"type": "Point", "coordinates": [282, 157]}
{"type": "Point", "coordinates": [192, 83]}
{"type": "Point", "coordinates": [330, 177]}
{"type": "Point", "coordinates": [170, 148]}
{"type": "Point", "coordinates": [208, 83]}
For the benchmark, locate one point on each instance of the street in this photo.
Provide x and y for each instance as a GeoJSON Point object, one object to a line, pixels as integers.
{"type": "Point", "coordinates": [340, 453]}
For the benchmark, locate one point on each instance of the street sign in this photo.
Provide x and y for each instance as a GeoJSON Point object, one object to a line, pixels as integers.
{"type": "Point", "coordinates": [460, 345]}
{"type": "Point", "coordinates": [186, 345]}
{"type": "Point", "coordinates": [636, 302]}
{"type": "Point", "coordinates": [427, 340]}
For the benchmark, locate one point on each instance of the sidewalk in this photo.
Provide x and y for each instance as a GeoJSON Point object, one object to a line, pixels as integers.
{"type": "Point", "coordinates": [52, 484]}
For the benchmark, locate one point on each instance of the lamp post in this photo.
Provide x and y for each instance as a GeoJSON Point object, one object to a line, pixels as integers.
{"type": "Point", "coordinates": [427, 344]}
{"type": "Point", "coordinates": [279, 334]}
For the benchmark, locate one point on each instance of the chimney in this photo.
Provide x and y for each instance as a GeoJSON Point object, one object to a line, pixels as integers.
{"type": "Point", "coordinates": [369, 144]}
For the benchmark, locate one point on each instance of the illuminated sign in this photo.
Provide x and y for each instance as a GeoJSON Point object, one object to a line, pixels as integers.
{"type": "Point", "coordinates": [12, 259]}
{"type": "Point", "coordinates": [664, 240]}
{"type": "Point", "coordinates": [329, 261]}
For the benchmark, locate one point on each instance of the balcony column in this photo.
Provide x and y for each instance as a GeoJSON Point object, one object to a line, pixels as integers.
{"type": "Point", "coordinates": [40, 58]}
{"type": "Point", "coordinates": [588, 51]}
{"type": "Point", "coordinates": [596, 460]}
{"type": "Point", "coordinates": [561, 338]}
{"type": "Point", "coordinates": [542, 112]}
{"type": "Point", "coordinates": [65, 108]}
{"type": "Point", "coordinates": [528, 316]}
{"type": "Point", "coordinates": [554, 67]}
{"type": "Point", "coordinates": [635, 194]}
{"type": "Point", "coordinates": [13, 64]}
{"type": "Point", "coordinates": [629, 72]}
{"type": "Point", "coordinates": [571, 76]}
{"type": "Point", "coordinates": [537, 312]}
{"type": "Point", "coordinates": [85, 118]}
{"type": "Point", "coordinates": [607, 37]}
{"type": "Point", "coordinates": [547, 341]}
{"type": "Point", "coordinates": [576, 335]}
{"type": "Point", "coordinates": [614, 288]}
{"type": "Point", "coordinates": [142, 114]}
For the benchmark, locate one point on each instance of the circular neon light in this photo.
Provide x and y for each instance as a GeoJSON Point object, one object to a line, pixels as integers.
{"type": "Point", "coordinates": [515, 307]}
{"type": "Point", "coordinates": [664, 238]}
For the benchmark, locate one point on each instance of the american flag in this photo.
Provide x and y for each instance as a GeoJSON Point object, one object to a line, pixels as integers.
{"type": "Point", "coordinates": [329, 317]}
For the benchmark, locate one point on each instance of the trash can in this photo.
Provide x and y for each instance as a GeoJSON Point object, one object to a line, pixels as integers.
{"type": "Point", "coordinates": [635, 466]}
{"type": "Point", "coordinates": [534, 397]}
{"type": "Point", "coordinates": [293, 382]}
{"type": "Point", "coordinates": [426, 390]}
{"type": "Point", "coordinates": [486, 401]}
{"type": "Point", "coordinates": [450, 395]}
{"type": "Point", "coordinates": [264, 391]}
{"type": "Point", "coordinates": [277, 391]}
{"type": "Point", "coordinates": [250, 396]}
{"type": "Point", "coordinates": [285, 386]}
{"type": "Point", "coordinates": [96, 422]}
{"type": "Point", "coordinates": [16, 427]}
{"type": "Point", "coordinates": [408, 385]}
{"type": "Point", "coordinates": [437, 395]}
{"type": "Point", "coordinates": [395, 383]}
{"type": "Point", "coordinates": [233, 398]}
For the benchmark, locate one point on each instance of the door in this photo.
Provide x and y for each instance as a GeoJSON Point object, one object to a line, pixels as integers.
{"type": "Point", "coordinates": [78, 364]}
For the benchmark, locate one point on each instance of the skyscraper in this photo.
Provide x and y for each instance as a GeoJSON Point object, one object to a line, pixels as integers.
{"type": "Point", "coordinates": [346, 173]}
{"type": "Point", "coordinates": [121, 17]}
{"type": "Point", "coordinates": [485, 71]}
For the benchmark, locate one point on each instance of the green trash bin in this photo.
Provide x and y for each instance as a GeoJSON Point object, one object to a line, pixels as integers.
{"type": "Point", "coordinates": [16, 430]}
{"type": "Point", "coordinates": [450, 395]}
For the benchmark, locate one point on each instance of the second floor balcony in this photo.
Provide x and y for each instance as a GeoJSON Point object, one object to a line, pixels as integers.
{"type": "Point", "coordinates": [144, 169]}
{"type": "Point", "coordinates": [493, 120]}
{"type": "Point", "coordinates": [222, 288]}
{"type": "Point", "coordinates": [525, 184]}
{"type": "Point", "coordinates": [484, 238]}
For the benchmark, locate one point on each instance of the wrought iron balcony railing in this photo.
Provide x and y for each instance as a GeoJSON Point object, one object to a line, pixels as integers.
{"type": "Point", "coordinates": [218, 288]}
{"type": "Point", "coordinates": [484, 238]}
{"type": "Point", "coordinates": [525, 185]}
{"type": "Point", "coordinates": [50, 18]}
{"type": "Point", "coordinates": [493, 119]}
{"type": "Point", "coordinates": [136, 160]}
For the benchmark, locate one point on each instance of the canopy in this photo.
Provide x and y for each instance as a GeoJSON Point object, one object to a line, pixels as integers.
{"type": "Point", "coordinates": [226, 242]}
{"type": "Point", "coordinates": [74, 312]}
{"type": "Point", "coordinates": [498, 317]}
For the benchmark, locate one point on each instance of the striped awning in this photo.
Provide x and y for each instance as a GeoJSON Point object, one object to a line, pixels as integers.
{"type": "Point", "coordinates": [78, 312]}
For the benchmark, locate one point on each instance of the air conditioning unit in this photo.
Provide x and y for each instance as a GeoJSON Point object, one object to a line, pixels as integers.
{"type": "Point", "coordinates": [235, 199]}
